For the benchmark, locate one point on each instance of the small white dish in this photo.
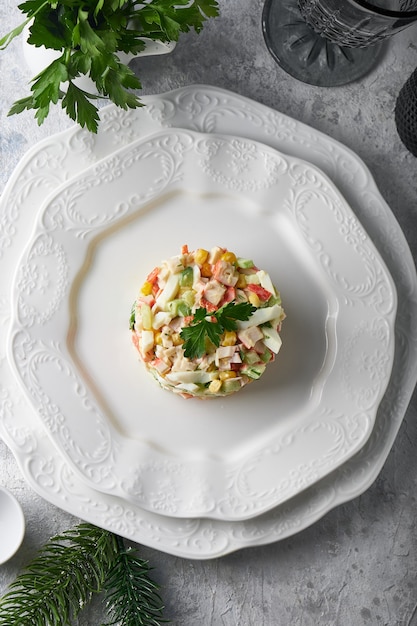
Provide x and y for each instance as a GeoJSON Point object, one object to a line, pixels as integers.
{"type": "Point", "coordinates": [12, 525]}
{"type": "Point", "coordinates": [37, 58]}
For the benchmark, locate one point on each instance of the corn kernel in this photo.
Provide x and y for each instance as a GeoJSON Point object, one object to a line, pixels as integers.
{"type": "Point", "coordinates": [229, 257]}
{"type": "Point", "coordinates": [229, 338]}
{"type": "Point", "coordinates": [206, 270]}
{"type": "Point", "coordinates": [225, 375]}
{"type": "Point", "coordinates": [215, 385]}
{"type": "Point", "coordinates": [158, 338]}
{"type": "Point", "coordinates": [254, 299]}
{"type": "Point", "coordinates": [176, 339]}
{"type": "Point", "coordinates": [241, 281]}
{"type": "Point", "coordinates": [146, 288]}
{"type": "Point", "coordinates": [200, 256]}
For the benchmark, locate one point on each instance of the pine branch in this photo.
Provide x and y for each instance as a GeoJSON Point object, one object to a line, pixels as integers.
{"type": "Point", "coordinates": [132, 598]}
{"type": "Point", "coordinates": [56, 585]}
{"type": "Point", "coordinates": [54, 588]}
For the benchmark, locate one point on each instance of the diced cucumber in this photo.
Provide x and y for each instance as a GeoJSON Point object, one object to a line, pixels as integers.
{"type": "Point", "coordinates": [187, 277]}
{"type": "Point", "coordinates": [252, 279]}
{"type": "Point", "coordinates": [244, 264]}
{"type": "Point", "coordinates": [188, 297]}
{"type": "Point", "coordinates": [250, 357]}
{"type": "Point", "coordinates": [266, 356]}
{"type": "Point", "coordinates": [253, 371]}
{"type": "Point", "coordinates": [274, 300]}
{"type": "Point", "coordinates": [178, 307]}
{"type": "Point", "coordinates": [230, 385]}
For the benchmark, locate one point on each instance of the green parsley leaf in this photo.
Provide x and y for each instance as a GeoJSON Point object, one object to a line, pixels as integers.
{"type": "Point", "coordinates": [115, 83]}
{"type": "Point", "coordinates": [45, 90]}
{"type": "Point", "coordinates": [31, 7]}
{"type": "Point", "coordinates": [231, 312]}
{"type": "Point", "coordinates": [202, 328]}
{"type": "Point", "coordinates": [4, 41]}
{"type": "Point", "coordinates": [48, 30]}
{"type": "Point", "coordinates": [78, 107]}
{"type": "Point", "coordinates": [200, 314]}
{"type": "Point", "coordinates": [90, 42]}
{"type": "Point", "coordinates": [22, 105]}
{"type": "Point", "coordinates": [195, 337]}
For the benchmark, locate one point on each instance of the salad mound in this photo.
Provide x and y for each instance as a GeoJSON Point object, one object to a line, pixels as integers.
{"type": "Point", "coordinates": [206, 323]}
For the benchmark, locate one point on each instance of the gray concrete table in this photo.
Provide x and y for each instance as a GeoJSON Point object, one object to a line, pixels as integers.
{"type": "Point", "coordinates": [357, 566]}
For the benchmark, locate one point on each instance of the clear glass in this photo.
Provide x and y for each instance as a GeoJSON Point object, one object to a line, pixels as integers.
{"type": "Point", "coordinates": [332, 42]}
{"type": "Point", "coordinates": [357, 23]}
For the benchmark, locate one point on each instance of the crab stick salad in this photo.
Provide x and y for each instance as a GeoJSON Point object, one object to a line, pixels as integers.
{"type": "Point", "coordinates": [206, 323]}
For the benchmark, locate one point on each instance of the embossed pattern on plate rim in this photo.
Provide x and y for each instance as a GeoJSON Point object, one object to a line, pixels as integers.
{"type": "Point", "coordinates": [45, 469]}
{"type": "Point", "coordinates": [141, 471]}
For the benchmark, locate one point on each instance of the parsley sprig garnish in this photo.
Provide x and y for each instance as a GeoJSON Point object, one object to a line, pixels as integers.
{"type": "Point", "coordinates": [89, 34]}
{"type": "Point", "coordinates": [211, 326]}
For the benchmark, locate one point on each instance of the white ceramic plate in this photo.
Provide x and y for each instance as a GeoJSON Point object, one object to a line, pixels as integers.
{"type": "Point", "coordinates": [203, 108]}
{"type": "Point", "coordinates": [95, 242]}
{"type": "Point", "coordinates": [12, 525]}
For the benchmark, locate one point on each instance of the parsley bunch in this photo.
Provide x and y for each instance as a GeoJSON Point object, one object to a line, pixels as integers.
{"type": "Point", "coordinates": [89, 34]}
{"type": "Point", "coordinates": [212, 325]}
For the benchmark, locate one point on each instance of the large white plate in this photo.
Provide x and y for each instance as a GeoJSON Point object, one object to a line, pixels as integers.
{"type": "Point", "coordinates": [207, 109]}
{"type": "Point", "coordinates": [93, 245]}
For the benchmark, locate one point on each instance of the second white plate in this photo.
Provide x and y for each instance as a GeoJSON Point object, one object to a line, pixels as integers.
{"type": "Point", "coordinates": [95, 241]}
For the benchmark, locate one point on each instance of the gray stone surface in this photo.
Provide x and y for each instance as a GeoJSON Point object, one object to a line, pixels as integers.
{"type": "Point", "coordinates": [357, 566]}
